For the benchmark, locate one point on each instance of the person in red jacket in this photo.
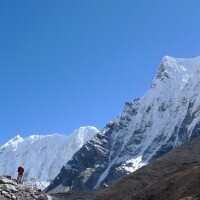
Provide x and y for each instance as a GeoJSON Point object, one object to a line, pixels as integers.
{"type": "Point", "coordinates": [20, 174]}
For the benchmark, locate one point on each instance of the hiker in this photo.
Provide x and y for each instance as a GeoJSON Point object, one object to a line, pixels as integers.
{"type": "Point", "coordinates": [20, 174]}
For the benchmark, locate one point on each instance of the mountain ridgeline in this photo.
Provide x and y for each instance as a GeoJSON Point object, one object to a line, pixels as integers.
{"type": "Point", "coordinates": [167, 116]}
{"type": "Point", "coordinates": [42, 155]}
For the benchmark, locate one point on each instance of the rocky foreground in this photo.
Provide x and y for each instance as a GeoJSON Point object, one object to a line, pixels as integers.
{"type": "Point", "coordinates": [10, 190]}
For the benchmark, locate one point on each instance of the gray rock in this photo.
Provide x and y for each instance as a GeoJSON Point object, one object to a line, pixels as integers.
{"type": "Point", "coordinates": [2, 197]}
{"type": "Point", "coordinates": [4, 192]}
{"type": "Point", "coordinates": [7, 181]}
{"type": "Point", "coordinates": [14, 197]}
{"type": "Point", "coordinates": [19, 192]}
{"type": "Point", "coordinates": [9, 188]}
{"type": "Point", "coordinates": [7, 195]}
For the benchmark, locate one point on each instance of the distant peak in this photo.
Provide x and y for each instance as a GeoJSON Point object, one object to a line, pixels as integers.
{"type": "Point", "coordinates": [14, 141]}
{"type": "Point", "coordinates": [180, 60]}
{"type": "Point", "coordinates": [17, 137]}
{"type": "Point", "coordinates": [85, 133]}
{"type": "Point", "coordinates": [176, 71]}
{"type": "Point", "coordinates": [169, 58]}
{"type": "Point", "coordinates": [86, 128]}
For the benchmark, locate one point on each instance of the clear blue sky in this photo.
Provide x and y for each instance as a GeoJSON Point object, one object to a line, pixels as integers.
{"type": "Point", "coordinates": [71, 63]}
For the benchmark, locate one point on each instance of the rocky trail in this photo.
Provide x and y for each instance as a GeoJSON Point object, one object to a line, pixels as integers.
{"type": "Point", "coordinates": [10, 190]}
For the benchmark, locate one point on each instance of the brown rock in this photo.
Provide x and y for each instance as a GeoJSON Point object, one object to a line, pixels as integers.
{"type": "Point", "coordinates": [174, 176]}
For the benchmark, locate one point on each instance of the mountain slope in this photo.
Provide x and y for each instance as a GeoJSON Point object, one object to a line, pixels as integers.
{"type": "Point", "coordinates": [175, 175]}
{"type": "Point", "coordinates": [42, 155]}
{"type": "Point", "coordinates": [167, 116]}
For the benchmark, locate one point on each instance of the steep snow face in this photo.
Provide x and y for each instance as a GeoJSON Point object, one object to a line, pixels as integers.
{"type": "Point", "coordinates": [42, 155]}
{"type": "Point", "coordinates": [167, 116]}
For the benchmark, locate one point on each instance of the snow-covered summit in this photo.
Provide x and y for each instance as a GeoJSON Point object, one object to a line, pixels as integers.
{"type": "Point", "coordinates": [173, 75]}
{"type": "Point", "coordinates": [179, 69]}
{"type": "Point", "coordinates": [42, 155]}
{"type": "Point", "coordinates": [83, 134]}
{"type": "Point", "coordinates": [12, 143]}
{"type": "Point", "coordinates": [189, 63]}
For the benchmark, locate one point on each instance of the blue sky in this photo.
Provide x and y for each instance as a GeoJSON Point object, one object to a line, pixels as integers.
{"type": "Point", "coordinates": [71, 63]}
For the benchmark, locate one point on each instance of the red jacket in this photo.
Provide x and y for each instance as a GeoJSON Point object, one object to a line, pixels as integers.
{"type": "Point", "coordinates": [20, 170]}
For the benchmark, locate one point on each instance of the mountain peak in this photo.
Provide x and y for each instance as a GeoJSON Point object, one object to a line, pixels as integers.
{"type": "Point", "coordinates": [13, 142]}
{"type": "Point", "coordinates": [17, 137]}
{"type": "Point", "coordinates": [175, 72]}
{"type": "Point", "coordinates": [185, 64]}
{"type": "Point", "coordinates": [168, 58]}
{"type": "Point", "coordinates": [84, 133]}
{"type": "Point", "coordinates": [165, 117]}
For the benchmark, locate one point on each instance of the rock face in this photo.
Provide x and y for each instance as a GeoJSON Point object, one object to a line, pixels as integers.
{"type": "Point", "coordinates": [9, 189]}
{"type": "Point", "coordinates": [41, 155]}
{"type": "Point", "coordinates": [174, 176]}
{"type": "Point", "coordinates": [167, 116]}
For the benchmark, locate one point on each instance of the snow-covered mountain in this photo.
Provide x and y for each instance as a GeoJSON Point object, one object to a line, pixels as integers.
{"type": "Point", "coordinates": [165, 117]}
{"type": "Point", "coordinates": [42, 155]}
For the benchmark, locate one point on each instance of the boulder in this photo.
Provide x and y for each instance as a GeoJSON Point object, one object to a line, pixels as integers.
{"type": "Point", "coordinates": [9, 188]}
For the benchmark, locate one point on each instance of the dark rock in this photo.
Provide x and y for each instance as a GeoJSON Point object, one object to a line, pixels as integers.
{"type": "Point", "coordinates": [174, 176]}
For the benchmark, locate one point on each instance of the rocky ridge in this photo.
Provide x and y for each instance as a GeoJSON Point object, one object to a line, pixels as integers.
{"type": "Point", "coordinates": [167, 116]}
{"type": "Point", "coordinates": [10, 190]}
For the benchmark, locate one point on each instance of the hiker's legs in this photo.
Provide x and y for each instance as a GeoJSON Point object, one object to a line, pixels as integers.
{"type": "Point", "coordinates": [19, 179]}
